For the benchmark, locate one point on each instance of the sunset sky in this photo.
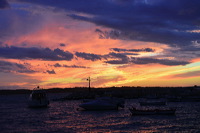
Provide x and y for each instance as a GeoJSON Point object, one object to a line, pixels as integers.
{"type": "Point", "coordinates": [60, 43]}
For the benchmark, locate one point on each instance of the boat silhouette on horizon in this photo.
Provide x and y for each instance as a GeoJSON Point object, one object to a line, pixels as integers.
{"type": "Point", "coordinates": [38, 98]}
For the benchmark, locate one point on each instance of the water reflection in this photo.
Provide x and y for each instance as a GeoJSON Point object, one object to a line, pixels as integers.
{"type": "Point", "coordinates": [64, 117]}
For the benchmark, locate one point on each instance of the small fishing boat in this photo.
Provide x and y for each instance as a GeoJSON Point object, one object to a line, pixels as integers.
{"type": "Point", "coordinates": [38, 98]}
{"type": "Point", "coordinates": [155, 111]}
{"type": "Point", "coordinates": [103, 103]}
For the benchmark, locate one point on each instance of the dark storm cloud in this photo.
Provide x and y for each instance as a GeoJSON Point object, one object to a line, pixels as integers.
{"type": "Point", "coordinates": [88, 56]}
{"type": "Point", "coordinates": [117, 61]}
{"type": "Point", "coordinates": [26, 71]}
{"type": "Point", "coordinates": [74, 66]}
{"type": "Point", "coordinates": [165, 22]}
{"type": "Point", "coordinates": [133, 50]}
{"type": "Point", "coordinates": [57, 65]}
{"type": "Point", "coordinates": [4, 4]}
{"type": "Point", "coordinates": [117, 58]}
{"type": "Point", "coordinates": [158, 61]}
{"type": "Point", "coordinates": [116, 55]}
{"type": "Point", "coordinates": [34, 53]}
{"type": "Point", "coordinates": [186, 53]}
{"type": "Point", "coordinates": [144, 61]}
{"type": "Point", "coordinates": [9, 67]}
{"type": "Point", "coordinates": [128, 53]}
{"type": "Point", "coordinates": [122, 58]}
{"type": "Point", "coordinates": [50, 71]}
{"type": "Point", "coordinates": [62, 45]}
{"type": "Point", "coordinates": [191, 48]}
{"type": "Point", "coordinates": [166, 36]}
{"type": "Point", "coordinates": [158, 21]}
{"type": "Point", "coordinates": [68, 66]}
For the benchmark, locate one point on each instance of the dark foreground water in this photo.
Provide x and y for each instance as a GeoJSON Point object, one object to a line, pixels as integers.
{"type": "Point", "coordinates": [63, 117]}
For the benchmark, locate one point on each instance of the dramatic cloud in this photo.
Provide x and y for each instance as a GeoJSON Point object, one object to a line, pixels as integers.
{"type": "Point", "coordinates": [88, 56]}
{"type": "Point", "coordinates": [34, 53]}
{"type": "Point", "coordinates": [67, 66]}
{"type": "Point", "coordinates": [117, 61]}
{"type": "Point", "coordinates": [161, 22]}
{"type": "Point", "coordinates": [133, 50]}
{"type": "Point", "coordinates": [62, 45]}
{"type": "Point", "coordinates": [170, 37]}
{"type": "Point", "coordinates": [50, 71]}
{"type": "Point", "coordinates": [158, 21]}
{"type": "Point", "coordinates": [117, 55]}
{"type": "Point", "coordinates": [159, 61]}
{"type": "Point", "coordinates": [57, 65]}
{"type": "Point", "coordinates": [118, 58]}
{"type": "Point", "coordinates": [9, 67]}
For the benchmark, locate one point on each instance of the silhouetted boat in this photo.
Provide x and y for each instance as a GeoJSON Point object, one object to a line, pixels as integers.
{"type": "Point", "coordinates": [38, 98]}
{"type": "Point", "coordinates": [103, 103]}
{"type": "Point", "coordinates": [155, 111]}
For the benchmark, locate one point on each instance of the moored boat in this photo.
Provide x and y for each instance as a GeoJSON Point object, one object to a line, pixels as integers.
{"type": "Point", "coordinates": [38, 98]}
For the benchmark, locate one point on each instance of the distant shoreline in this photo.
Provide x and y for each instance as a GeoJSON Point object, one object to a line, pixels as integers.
{"type": "Point", "coordinates": [175, 94]}
{"type": "Point", "coordinates": [107, 89]}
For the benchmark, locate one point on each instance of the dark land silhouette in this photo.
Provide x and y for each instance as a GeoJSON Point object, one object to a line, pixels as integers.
{"type": "Point", "coordinates": [191, 93]}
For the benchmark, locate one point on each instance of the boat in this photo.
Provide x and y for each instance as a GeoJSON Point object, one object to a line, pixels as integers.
{"type": "Point", "coordinates": [153, 102]}
{"type": "Point", "coordinates": [153, 111]}
{"type": "Point", "coordinates": [103, 103]}
{"type": "Point", "coordinates": [38, 98]}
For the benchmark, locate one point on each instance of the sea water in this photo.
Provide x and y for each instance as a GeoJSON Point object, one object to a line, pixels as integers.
{"type": "Point", "coordinates": [63, 116]}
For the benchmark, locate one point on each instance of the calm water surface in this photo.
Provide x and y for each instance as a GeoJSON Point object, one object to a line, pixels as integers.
{"type": "Point", "coordinates": [64, 117]}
